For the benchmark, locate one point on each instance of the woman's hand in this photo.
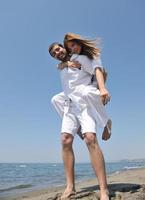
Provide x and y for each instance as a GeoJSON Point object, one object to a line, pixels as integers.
{"type": "Point", "coordinates": [74, 64]}
{"type": "Point", "coordinates": [71, 64]}
{"type": "Point", "coordinates": [105, 96]}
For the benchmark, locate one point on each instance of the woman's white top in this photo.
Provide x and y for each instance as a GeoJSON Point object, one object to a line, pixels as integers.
{"type": "Point", "coordinates": [76, 79]}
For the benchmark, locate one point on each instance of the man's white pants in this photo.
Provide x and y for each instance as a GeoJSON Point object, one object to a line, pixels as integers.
{"type": "Point", "coordinates": [73, 119]}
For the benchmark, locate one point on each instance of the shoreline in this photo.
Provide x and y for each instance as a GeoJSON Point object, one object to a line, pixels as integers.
{"type": "Point", "coordinates": [128, 184]}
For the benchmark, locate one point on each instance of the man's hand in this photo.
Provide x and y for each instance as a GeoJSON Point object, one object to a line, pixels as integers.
{"type": "Point", "coordinates": [105, 97]}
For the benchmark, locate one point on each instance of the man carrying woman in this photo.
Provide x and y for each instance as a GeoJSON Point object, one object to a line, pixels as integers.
{"type": "Point", "coordinates": [83, 106]}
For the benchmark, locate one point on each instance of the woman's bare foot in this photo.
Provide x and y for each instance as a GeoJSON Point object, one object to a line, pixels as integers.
{"type": "Point", "coordinates": [107, 130]}
{"type": "Point", "coordinates": [67, 193]}
{"type": "Point", "coordinates": [79, 133]}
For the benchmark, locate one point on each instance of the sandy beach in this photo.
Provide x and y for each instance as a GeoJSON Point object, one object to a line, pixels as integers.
{"type": "Point", "coordinates": [126, 185]}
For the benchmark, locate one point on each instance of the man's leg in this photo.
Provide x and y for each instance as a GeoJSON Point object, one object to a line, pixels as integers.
{"type": "Point", "coordinates": [98, 163]}
{"type": "Point", "coordinates": [68, 159]}
{"type": "Point", "coordinates": [70, 126]}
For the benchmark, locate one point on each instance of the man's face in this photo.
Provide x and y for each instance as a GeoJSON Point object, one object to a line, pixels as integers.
{"type": "Point", "coordinates": [58, 52]}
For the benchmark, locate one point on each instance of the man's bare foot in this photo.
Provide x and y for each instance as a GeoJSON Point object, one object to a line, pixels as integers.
{"type": "Point", "coordinates": [104, 195]}
{"type": "Point", "coordinates": [67, 193]}
{"type": "Point", "coordinates": [107, 130]}
{"type": "Point", "coordinates": [79, 133]}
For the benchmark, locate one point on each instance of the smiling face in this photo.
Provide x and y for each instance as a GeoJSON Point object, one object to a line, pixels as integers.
{"type": "Point", "coordinates": [74, 47]}
{"type": "Point", "coordinates": [58, 52]}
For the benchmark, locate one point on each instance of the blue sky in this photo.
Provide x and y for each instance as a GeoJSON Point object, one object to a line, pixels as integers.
{"type": "Point", "coordinates": [29, 125]}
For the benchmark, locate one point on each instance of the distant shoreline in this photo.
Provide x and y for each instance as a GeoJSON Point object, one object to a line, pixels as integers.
{"type": "Point", "coordinates": [111, 161]}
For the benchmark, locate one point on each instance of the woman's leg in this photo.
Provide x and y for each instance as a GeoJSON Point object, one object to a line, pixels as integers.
{"type": "Point", "coordinates": [107, 130]}
{"type": "Point", "coordinates": [58, 103]}
{"type": "Point", "coordinates": [98, 163]}
{"type": "Point", "coordinates": [69, 160]}
{"type": "Point", "coordinates": [92, 98]}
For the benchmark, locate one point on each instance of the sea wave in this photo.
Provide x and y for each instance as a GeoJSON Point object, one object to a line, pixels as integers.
{"type": "Point", "coordinates": [133, 167]}
{"type": "Point", "coordinates": [22, 165]}
{"type": "Point", "coordinates": [17, 187]}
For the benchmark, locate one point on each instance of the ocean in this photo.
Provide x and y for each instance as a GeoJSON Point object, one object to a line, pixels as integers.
{"type": "Point", "coordinates": [17, 178]}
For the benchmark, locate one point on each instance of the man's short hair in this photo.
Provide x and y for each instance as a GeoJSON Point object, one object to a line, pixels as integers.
{"type": "Point", "coordinates": [52, 45]}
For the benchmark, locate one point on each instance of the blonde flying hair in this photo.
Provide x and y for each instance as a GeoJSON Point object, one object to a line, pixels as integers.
{"type": "Point", "coordinates": [88, 46]}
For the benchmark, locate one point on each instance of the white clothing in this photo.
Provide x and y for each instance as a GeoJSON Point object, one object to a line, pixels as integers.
{"type": "Point", "coordinates": [74, 79]}
{"type": "Point", "coordinates": [85, 97]}
{"type": "Point", "coordinates": [91, 98]}
{"type": "Point", "coordinates": [58, 102]}
{"type": "Point", "coordinates": [68, 79]}
{"type": "Point", "coordinates": [74, 119]}
{"type": "Point", "coordinates": [61, 103]}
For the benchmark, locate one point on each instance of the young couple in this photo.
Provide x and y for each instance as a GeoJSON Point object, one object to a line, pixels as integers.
{"type": "Point", "coordinates": [81, 105]}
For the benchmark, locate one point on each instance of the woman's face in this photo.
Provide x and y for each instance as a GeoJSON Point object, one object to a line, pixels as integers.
{"type": "Point", "coordinates": [74, 47]}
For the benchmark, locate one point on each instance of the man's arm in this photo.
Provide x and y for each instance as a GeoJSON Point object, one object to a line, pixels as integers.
{"type": "Point", "coordinates": [62, 65]}
{"type": "Point", "coordinates": [73, 64]}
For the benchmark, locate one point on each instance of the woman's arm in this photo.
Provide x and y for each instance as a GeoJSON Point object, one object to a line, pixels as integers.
{"type": "Point", "coordinates": [101, 85]}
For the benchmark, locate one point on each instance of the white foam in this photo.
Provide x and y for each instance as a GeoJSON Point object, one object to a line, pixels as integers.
{"type": "Point", "coordinates": [135, 167]}
{"type": "Point", "coordinates": [22, 165]}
